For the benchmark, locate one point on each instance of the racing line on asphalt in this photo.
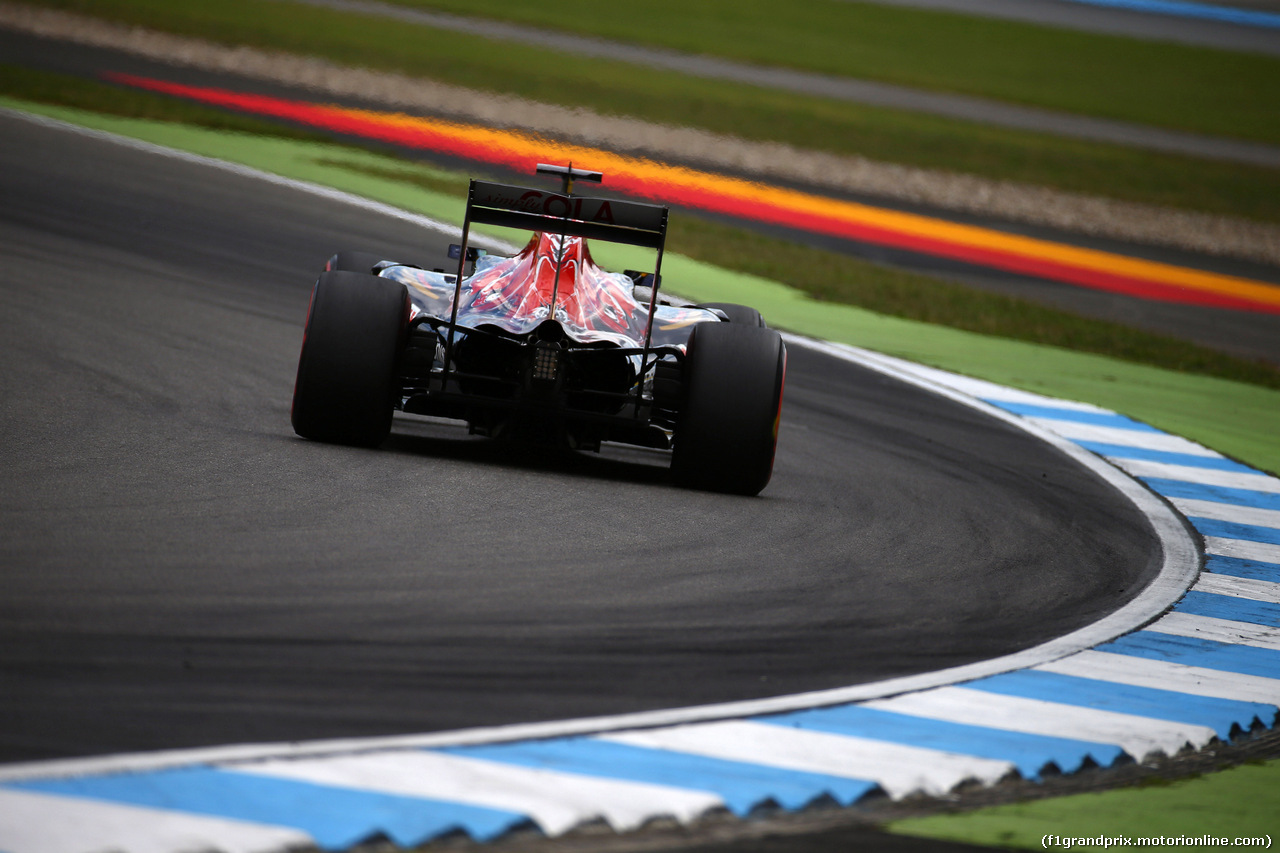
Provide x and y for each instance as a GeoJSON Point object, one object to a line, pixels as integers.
{"type": "Point", "coordinates": [1207, 668]}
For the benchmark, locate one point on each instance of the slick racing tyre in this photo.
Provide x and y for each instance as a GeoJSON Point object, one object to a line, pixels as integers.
{"type": "Point", "coordinates": [727, 428]}
{"type": "Point", "coordinates": [347, 385]}
{"type": "Point", "coordinates": [741, 314]}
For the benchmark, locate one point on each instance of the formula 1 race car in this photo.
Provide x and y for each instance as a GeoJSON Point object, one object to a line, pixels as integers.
{"type": "Point", "coordinates": [545, 345]}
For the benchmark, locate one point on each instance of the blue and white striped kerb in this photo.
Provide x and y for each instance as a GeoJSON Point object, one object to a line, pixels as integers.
{"type": "Point", "coordinates": [1208, 667]}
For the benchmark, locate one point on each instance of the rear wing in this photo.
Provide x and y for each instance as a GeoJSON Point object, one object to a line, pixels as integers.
{"type": "Point", "coordinates": [611, 220]}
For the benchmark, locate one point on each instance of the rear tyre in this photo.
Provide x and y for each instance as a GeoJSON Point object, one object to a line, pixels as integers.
{"type": "Point", "coordinates": [741, 314]}
{"type": "Point", "coordinates": [361, 262]}
{"type": "Point", "coordinates": [727, 429]}
{"type": "Point", "coordinates": [347, 386]}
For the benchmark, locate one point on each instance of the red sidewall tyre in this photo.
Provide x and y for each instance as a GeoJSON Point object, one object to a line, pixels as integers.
{"type": "Point", "coordinates": [347, 385]}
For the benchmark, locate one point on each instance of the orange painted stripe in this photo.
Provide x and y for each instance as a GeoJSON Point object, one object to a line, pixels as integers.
{"type": "Point", "coordinates": [520, 152]}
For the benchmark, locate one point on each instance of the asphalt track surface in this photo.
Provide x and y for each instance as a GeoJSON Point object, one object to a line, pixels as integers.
{"type": "Point", "coordinates": [180, 569]}
{"type": "Point", "coordinates": [1074, 15]}
{"type": "Point", "coordinates": [851, 90]}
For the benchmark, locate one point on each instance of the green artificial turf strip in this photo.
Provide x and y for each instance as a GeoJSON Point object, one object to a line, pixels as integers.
{"type": "Point", "coordinates": [835, 277]}
{"type": "Point", "coordinates": [1232, 417]}
{"type": "Point", "coordinates": [740, 110]}
{"type": "Point", "coordinates": [1242, 802]}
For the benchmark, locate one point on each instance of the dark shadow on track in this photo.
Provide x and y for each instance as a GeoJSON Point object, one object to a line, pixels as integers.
{"type": "Point", "coordinates": [428, 440]}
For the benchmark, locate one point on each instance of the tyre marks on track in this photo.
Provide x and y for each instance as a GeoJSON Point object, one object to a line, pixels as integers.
{"type": "Point", "coordinates": [1208, 668]}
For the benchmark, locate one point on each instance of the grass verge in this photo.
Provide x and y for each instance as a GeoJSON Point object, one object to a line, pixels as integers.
{"type": "Point", "coordinates": [67, 90]}
{"type": "Point", "coordinates": [745, 111]}
{"type": "Point", "coordinates": [1234, 417]}
{"type": "Point", "coordinates": [1160, 83]}
{"type": "Point", "coordinates": [1241, 802]}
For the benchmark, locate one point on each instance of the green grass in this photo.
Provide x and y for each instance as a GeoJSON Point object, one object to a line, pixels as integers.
{"type": "Point", "coordinates": [1238, 803]}
{"type": "Point", "coordinates": [1152, 82]}
{"type": "Point", "coordinates": [834, 277]}
{"type": "Point", "coordinates": [745, 111]}
{"type": "Point", "coordinates": [71, 91]}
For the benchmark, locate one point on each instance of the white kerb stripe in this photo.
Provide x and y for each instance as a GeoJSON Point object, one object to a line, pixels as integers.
{"type": "Point", "coordinates": [1144, 439]}
{"type": "Point", "coordinates": [1218, 630]}
{"type": "Point", "coordinates": [46, 823]}
{"type": "Point", "coordinates": [1241, 549]}
{"type": "Point", "coordinates": [1166, 675]}
{"type": "Point", "coordinates": [555, 801]}
{"type": "Point", "coordinates": [900, 770]}
{"type": "Point", "coordinates": [1256, 590]}
{"type": "Point", "coordinates": [1203, 476]}
{"type": "Point", "coordinates": [1136, 735]}
{"type": "Point", "coordinates": [1227, 512]}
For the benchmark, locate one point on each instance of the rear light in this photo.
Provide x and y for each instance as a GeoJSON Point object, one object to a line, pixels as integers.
{"type": "Point", "coordinates": [546, 362]}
